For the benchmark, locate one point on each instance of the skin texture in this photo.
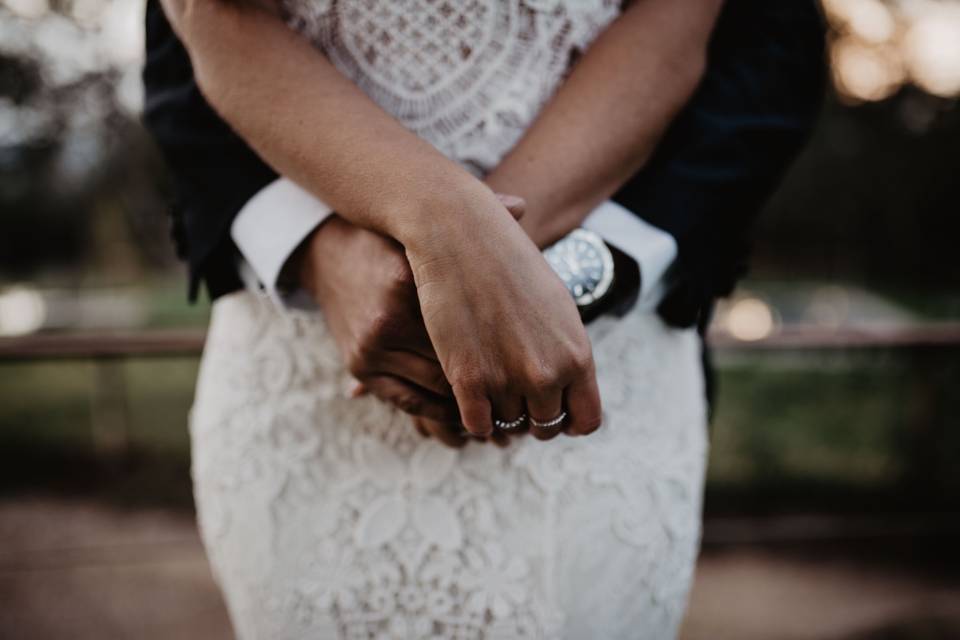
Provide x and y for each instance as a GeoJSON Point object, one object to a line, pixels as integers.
{"type": "Point", "coordinates": [605, 120]}
{"type": "Point", "coordinates": [503, 326]}
{"type": "Point", "coordinates": [504, 329]}
{"type": "Point", "coordinates": [638, 74]}
{"type": "Point", "coordinates": [380, 334]}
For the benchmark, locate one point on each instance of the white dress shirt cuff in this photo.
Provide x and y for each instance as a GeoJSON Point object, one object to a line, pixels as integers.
{"type": "Point", "coordinates": [276, 220]}
{"type": "Point", "coordinates": [653, 248]}
{"type": "Point", "coordinates": [270, 227]}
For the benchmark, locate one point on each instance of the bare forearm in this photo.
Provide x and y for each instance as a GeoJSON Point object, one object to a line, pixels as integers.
{"type": "Point", "coordinates": [606, 119]}
{"type": "Point", "coordinates": [310, 122]}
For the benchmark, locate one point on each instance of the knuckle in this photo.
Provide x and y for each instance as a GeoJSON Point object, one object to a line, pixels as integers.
{"type": "Point", "coordinates": [541, 379]}
{"type": "Point", "coordinates": [400, 274]}
{"type": "Point", "coordinates": [466, 381]}
{"type": "Point", "coordinates": [364, 351]}
{"type": "Point", "coordinates": [580, 360]}
{"type": "Point", "coordinates": [497, 384]}
{"type": "Point", "coordinates": [379, 326]}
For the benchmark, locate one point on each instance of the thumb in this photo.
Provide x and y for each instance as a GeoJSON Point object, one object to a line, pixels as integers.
{"type": "Point", "coordinates": [516, 205]}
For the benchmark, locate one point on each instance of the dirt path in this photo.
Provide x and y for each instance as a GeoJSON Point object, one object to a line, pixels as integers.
{"type": "Point", "coordinates": [71, 569]}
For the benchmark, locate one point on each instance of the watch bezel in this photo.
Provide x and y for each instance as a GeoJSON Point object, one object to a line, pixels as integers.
{"type": "Point", "coordinates": [606, 258]}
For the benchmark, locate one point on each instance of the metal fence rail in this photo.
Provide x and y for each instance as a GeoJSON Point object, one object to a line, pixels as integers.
{"type": "Point", "coordinates": [189, 342]}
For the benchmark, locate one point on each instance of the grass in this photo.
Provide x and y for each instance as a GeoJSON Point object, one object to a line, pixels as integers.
{"type": "Point", "coordinates": [838, 431]}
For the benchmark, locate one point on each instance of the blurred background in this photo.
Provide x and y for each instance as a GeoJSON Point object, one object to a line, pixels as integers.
{"type": "Point", "coordinates": [833, 500]}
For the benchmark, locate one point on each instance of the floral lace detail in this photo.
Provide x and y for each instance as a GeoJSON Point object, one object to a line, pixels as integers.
{"type": "Point", "coordinates": [330, 517]}
{"type": "Point", "coordinates": [469, 76]}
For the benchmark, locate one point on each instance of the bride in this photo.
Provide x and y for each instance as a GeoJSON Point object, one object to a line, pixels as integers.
{"type": "Point", "coordinates": [552, 485]}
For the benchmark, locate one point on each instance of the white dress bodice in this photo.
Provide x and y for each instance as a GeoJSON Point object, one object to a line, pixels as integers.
{"type": "Point", "coordinates": [469, 76]}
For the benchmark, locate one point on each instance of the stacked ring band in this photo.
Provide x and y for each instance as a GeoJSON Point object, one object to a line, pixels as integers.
{"type": "Point", "coordinates": [510, 425]}
{"type": "Point", "coordinates": [549, 424]}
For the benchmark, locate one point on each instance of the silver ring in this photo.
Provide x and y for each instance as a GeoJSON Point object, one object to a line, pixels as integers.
{"type": "Point", "coordinates": [510, 425]}
{"type": "Point", "coordinates": [549, 424]}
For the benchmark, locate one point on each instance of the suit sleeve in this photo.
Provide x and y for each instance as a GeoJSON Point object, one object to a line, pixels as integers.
{"type": "Point", "coordinates": [724, 155]}
{"type": "Point", "coordinates": [214, 171]}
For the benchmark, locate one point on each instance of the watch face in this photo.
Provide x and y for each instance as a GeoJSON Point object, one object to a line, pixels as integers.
{"type": "Point", "coordinates": [584, 263]}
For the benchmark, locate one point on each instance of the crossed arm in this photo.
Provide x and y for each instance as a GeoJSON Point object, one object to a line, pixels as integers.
{"type": "Point", "coordinates": [597, 131]}
{"type": "Point", "coordinates": [601, 126]}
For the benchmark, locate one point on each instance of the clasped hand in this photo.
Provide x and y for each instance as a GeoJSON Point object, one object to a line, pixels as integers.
{"type": "Point", "coordinates": [459, 335]}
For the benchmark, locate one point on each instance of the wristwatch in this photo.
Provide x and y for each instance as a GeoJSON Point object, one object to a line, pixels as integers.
{"type": "Point", "coordinates": [600, 277]}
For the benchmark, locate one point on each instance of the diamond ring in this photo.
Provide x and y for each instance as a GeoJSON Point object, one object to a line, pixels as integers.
{"type": "Point", "coordinates": [549, 424]}
{"type": "Point", "coordinates": [510, 425]}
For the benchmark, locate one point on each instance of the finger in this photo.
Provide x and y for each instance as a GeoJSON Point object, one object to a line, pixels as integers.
{"type": "Point", "coordinates": [415, 368]}
{"type": "Point", "coordinates": [411, 399]}
{"type": "Point", "coordinates": [408, 332]}
{"type": "Point", "coordinates": [449, 433]}
{"type": "Point", "coordinates": [509, 408]}
{"type": "Point", "coordinates": [418, 424]}
{"type": "Point", "coordinates": [583, 406]}
{"type": "Point", "coordinates": [516, 205]}
{"type": "Point", "coordinates": [411, 337]}
{"type": "Point", "coordinates": [500, 438]}
{"type": "Point", "coordinates": [543, 407]}
{"type": "Point", "coordinates": [474, 411]}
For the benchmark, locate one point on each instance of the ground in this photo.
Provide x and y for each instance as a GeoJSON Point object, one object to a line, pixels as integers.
{"type": "Point", "coordinates": [73, 568]}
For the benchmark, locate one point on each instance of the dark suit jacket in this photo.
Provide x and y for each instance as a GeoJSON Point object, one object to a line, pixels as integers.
{"type": "Point", "coordinates": [712, 172]}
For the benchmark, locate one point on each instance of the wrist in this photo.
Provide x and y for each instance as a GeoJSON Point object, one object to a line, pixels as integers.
{"type": "Point", "coordinates": [447, 212]}
{"type": "Point", "coordinates": [316, 257]}
{"type": "Point", "coordinates": [546, 218]}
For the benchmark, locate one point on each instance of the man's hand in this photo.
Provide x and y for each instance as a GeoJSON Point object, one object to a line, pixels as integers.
{"type": "Point", "coordinates": [363, 283]}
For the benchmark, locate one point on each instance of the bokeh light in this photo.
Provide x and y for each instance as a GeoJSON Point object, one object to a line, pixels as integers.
{"type": "Point", "coordinates": [750, 319]}
{"type": "Point", "coordinates": [877, 47]}
{"type": "Point", "coordinates": [870, 20]}
{"type": "Point", "coordinates": [866, 73]}
{"type": "Point", "coordinates": [22, 311]}
{"type": "Point", "coordinates": [932, 50]}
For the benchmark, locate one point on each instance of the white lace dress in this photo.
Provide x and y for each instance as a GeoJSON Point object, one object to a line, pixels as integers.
{"type": "Point", "coordinates": [329, 517]}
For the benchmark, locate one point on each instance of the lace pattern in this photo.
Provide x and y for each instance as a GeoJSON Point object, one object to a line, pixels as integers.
{"type": "Point", "coordinates": [329, 517]}
{"type": "Point", "coordinates": [469, 76]}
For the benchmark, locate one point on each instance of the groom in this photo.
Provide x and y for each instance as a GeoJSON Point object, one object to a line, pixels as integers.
{"type": "Point", "coordinates": [683, 218]}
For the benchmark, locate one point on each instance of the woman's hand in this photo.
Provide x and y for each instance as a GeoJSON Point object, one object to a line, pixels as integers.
{"type": "Point", "coordinates": [505, 329]}
{"type": "Point", "coordinates": [363, 283]}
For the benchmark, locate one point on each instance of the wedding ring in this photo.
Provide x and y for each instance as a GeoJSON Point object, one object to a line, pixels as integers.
{"type": "Point", "coordinates": [511, 425]}
{"type": "Point", "coordinates": [549, 424]}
